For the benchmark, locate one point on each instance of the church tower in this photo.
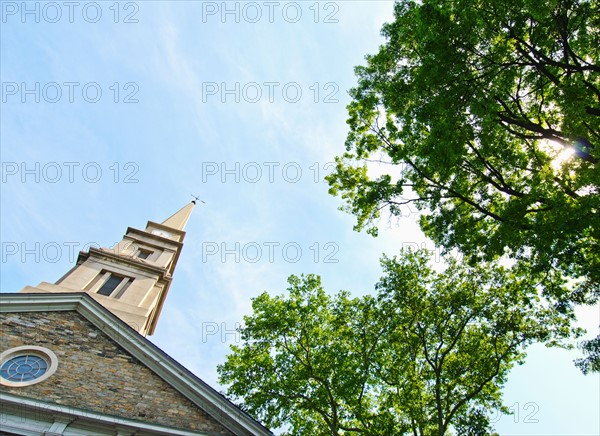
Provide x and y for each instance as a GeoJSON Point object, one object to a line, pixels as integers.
{"type": "Point", "coordinates": [74, 359]}
{"type": "Point", "coordinates": [132, 278]}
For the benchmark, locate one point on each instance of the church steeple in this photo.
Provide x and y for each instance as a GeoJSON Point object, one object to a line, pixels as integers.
{"type": "Point", "coordinates": [180, 218]}
{"type": "Point", "coordinates": [132, 278]}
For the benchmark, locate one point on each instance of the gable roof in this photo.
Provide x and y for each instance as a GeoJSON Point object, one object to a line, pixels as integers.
{"type": "Point", "coordinates": [172, 372]}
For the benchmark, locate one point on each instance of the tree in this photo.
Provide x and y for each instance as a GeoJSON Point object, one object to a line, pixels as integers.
{"type": "Point", "coordinates": [591, 363]}
{"type": "Point", "coordinates": [430, 351]}
{"type": "Point", "coordinates": [489, 116]}
{"type": "Point", "coordinates": [300, 363]}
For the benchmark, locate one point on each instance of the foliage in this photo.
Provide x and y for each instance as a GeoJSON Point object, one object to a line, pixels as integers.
{"type": "Point", "coordinates": [489, 116]}
{"type": "Point", "coordinates": [429, 351]}
{"type": "Point", "coordinates": [591, 363]}
{"type": "Point", "coordinates": [301, 363]}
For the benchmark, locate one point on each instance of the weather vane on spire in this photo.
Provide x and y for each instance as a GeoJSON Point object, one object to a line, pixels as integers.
{"type": "Point", "coordinates": [196, 198]}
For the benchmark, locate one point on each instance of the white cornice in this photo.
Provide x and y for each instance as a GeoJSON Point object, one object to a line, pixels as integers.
{"type": "Point", "coordinates": [38, 407]}
{"type": "Point", "coordinates": [129, 260]}
{"type": "Point", "coordinates": [164, 241]}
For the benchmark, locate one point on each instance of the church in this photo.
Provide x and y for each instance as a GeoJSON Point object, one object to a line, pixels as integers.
{"type": "Point", "coordinates": [75, 360]}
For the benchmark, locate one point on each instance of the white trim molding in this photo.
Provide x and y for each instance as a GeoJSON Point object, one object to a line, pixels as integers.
{"type": "Point", "coordinates": [35, 417]}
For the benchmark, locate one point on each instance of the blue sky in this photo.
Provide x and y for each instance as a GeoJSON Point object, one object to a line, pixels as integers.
{"type": "Point", "coordinates": [112, 114]}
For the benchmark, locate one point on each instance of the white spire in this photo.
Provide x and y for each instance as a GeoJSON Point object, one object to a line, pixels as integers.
{"type": "Point", "coordinates": [180, 218]}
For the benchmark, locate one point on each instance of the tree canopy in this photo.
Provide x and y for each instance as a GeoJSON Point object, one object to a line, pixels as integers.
{"type": "Point", "coordinates": [428, 352]}
{"type": "Point", "coordinates": [489, 116]}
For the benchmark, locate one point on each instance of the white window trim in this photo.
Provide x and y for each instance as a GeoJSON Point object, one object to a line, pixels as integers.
{"type": "Point", "coordinates": [42, 352]}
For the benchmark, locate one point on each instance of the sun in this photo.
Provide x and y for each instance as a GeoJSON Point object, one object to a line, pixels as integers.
{"type": "Point", "coordinates": [559, 153]}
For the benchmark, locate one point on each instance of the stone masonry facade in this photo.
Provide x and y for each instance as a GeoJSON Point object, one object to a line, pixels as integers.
{"type": "Point", "coordinates": [96, 374]}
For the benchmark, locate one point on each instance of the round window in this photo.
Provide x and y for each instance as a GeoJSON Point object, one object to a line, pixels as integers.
{"type": "Point", "coordinates": [26, 365]}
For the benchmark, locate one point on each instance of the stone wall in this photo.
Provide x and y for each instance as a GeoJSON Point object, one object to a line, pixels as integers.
{"type": "Point", "coordinates": [96, 374]}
